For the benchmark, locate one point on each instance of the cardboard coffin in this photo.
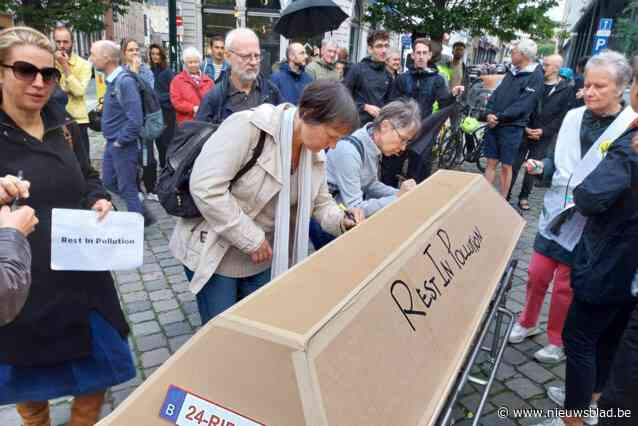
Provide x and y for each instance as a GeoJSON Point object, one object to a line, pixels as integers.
{"type": "Point", "coordinates": [371, 330]}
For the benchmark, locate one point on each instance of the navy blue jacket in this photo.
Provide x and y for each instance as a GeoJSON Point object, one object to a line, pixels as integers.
{"type": "Point", "coordinates": [370, 83]}
{"type": "Point", "coordinates": [163, 78]}
{"type": "Point", "coordinates": [515, 98]}
{"type": "Point", "coordinates": [605, 260]}
{"type": "Point", "coordinates": [122, 122]}
{"type": "Point", "coordinates": [424, 86]}
{"type": "Point", "coordinates": [290, 83]}
{"type": "Point", "coordinates": [215, 107]}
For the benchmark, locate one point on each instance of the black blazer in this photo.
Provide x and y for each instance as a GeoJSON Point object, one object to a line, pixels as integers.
{"type": "Point", "coordinates": [53, 326]}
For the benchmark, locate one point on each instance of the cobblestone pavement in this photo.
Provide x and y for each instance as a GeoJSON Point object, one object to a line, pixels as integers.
{"type": "Point", "coordinates": [163, 315]}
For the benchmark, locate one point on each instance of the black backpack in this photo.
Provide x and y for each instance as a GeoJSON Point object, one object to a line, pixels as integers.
{"type": "Point", "coordinates": [172, 186]}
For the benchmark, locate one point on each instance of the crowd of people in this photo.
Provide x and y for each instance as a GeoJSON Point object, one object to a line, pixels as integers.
{"type": "Point", "coordinates": [298, 157]}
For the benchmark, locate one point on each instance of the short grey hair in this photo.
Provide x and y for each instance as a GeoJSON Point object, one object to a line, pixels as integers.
{"type": "Point", "coordinates": [108, 49]}
{"type": "Point", "coordinates": [233, 35]}
{"type": "Point", "coordinates": [528, 48]}
{"type": "Point", "coordinates": [614, 62]}
{"type": "Point", "coordinates": [191, 52]}
{"type": "Point", "coordinates": [403, 114]}
{"type": "Point", "coordinates": [328, 42]}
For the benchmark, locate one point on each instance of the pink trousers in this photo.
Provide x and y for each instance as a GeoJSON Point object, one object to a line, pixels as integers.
{"type": "Point", "coordinates": [541, 271]}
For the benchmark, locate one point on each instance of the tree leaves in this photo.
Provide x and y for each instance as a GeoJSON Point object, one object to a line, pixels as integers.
{"type": "Point", "coordinates": [502, 18]}
{"type": "Point", "coordinates": [82, 15]}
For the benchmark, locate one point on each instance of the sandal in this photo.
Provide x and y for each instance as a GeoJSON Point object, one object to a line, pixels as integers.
{"type": "Point", "coordinates": [523, 204]}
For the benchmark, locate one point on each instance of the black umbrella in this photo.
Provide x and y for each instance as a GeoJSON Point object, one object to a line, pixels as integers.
{"type": "Point", "coordinates": [307, 18]}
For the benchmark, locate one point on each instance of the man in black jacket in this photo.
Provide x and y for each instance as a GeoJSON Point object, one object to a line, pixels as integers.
{"type": "Point", "coordinates": [508, 112]}
{"type": "Point", "coordinates": [245, 87]}
{"type": "Point", "coordinates": [369, 81]}
{"type": "Point", "coordinates": [426, 86]}
{"type": "Point", "coordinates": [556, 99]}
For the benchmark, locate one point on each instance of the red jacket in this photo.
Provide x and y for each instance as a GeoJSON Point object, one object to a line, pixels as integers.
{"type": "Point", "coordinates": [185, 94]}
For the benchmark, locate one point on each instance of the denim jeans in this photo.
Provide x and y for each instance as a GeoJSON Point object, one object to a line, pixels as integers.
{"type": "Point", "coordinates": [119, 173]}
{"type": "Point", "coordinates": [220, 292]}
{"type": "Point", "coordinates": [318, 236]}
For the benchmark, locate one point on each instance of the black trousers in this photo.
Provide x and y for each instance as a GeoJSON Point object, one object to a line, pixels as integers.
{"type": "Point", "coordinates": [84, 139]}
{"type": "Point", "coordinates": [530, 149]}
{"type": "Point", "coordinates": [621, 391]}
{"type": "Point", "coordinates": [166, 137]}
{"type": "Point", "coordinates": [591, 335]}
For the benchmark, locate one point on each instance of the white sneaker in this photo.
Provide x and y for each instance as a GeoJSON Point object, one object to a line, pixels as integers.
{"type": "Point", "coordinates": [557, 394]}
{"type": "Point", "coordinates": [520, 333]}
{"type": "Point", "coordinates": [550, 354]}
{"type": "Point", "coordinates": [152, 197]}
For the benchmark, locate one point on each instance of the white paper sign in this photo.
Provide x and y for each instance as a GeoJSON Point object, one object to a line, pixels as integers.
{"type": "Point", "coordinates": [79, 242]}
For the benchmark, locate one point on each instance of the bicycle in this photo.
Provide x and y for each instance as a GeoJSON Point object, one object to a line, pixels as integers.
{"type": "Point", "coordinates": [462, 140]}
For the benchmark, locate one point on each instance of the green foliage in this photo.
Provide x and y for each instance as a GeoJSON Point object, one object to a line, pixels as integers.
{"type": "Point", "coordinates": [546, 48]}
{"type": "Point", "coordinates": [83, 15]}
{"type": "Point", "coordinates": [502, 18]}
{"type": "Point", "coordinates": [626, 31]}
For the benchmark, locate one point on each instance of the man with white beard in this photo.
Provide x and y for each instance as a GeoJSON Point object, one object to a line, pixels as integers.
{"type": "Point", "coordinates": [245, 87]}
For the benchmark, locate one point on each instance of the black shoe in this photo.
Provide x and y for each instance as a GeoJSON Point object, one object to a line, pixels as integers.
{"type": "Point", "coordinates": [149, 218]}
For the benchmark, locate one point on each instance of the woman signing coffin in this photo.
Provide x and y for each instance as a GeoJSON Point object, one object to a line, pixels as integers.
{"type": "Point", "coordinates": [243, 238]}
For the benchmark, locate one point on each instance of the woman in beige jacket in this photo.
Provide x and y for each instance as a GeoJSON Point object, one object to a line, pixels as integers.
{"type": "Point", "coordinates": [228, 253]}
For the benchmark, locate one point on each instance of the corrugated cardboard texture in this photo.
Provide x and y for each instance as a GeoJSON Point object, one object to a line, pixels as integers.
{"type": "Point", "coordinates": [329, 343]}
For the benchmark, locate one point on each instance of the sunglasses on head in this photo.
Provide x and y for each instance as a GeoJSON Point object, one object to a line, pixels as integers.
{"type": "Point", "coordinates": [27, 72]}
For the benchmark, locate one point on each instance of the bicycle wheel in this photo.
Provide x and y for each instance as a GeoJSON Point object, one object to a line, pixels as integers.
{"type": "Point", "coordinates": [473, 144]}
{"type": "Point", "coordinates": [481, 159]}
{"type": "Point", "coordinates": [459, 156]}
{"type": "Point", "coordinates": [448, 152]}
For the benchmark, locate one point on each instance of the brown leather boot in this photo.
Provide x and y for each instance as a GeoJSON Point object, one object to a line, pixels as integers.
{"type": "Point", "coordinates": [34, 413]}
{"type": "Point", "coordinates": [86, 409]}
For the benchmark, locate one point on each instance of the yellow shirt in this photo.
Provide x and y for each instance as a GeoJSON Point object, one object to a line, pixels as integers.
{"type": "Point", "coordinates": [75, 85]}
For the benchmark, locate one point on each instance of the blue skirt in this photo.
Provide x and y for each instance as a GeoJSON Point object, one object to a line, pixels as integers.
{"type": "Point", "coordinates": [109, 364]}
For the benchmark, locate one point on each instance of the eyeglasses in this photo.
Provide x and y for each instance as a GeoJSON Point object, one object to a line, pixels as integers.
{"type": "Point", "coordinates": [381, 45]}
{"type": "Point", "coordinates": [404, 140]}
{"type": "Point", "coordinates": [27, 72]}
{"type": "Point", "coordinates": [248, 56]}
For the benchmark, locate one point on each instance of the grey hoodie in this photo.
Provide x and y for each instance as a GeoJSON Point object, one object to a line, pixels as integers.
{"type": "Point", "coordinates": [15, 273]}
{"type": "Point", "coordinates": [358, 182]}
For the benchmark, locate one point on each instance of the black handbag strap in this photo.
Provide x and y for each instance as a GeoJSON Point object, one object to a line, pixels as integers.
{"type": "Point", "coordinates": [253, 160]}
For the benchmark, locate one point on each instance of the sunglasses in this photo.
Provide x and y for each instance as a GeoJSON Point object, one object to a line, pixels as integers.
{"type": "Point", "coordinates": [27, 72]}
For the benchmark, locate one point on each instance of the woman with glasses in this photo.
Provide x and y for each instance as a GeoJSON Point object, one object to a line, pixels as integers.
{"type": "Point", "coordinates": [132, 61]}
{"type": "Point", "coordinates": [70, 337]}
{"type": "Point", "coordinates": [353, 166]}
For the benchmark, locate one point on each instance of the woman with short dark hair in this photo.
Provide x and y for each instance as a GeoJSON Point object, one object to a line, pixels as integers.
{"type": "Point", "coordinates": [243, 235]}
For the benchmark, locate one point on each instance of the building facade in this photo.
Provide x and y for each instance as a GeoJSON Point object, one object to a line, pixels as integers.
{"type": "Point", "coordinates": [582, 18]}
{"type": "Point", "coordinates": [204, 19]}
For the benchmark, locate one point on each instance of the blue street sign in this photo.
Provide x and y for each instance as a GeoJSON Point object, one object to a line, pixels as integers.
{"type": "Point", "coordinates": [601, 38]}
{"type": "Point", "coordinates": [406, 40]}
